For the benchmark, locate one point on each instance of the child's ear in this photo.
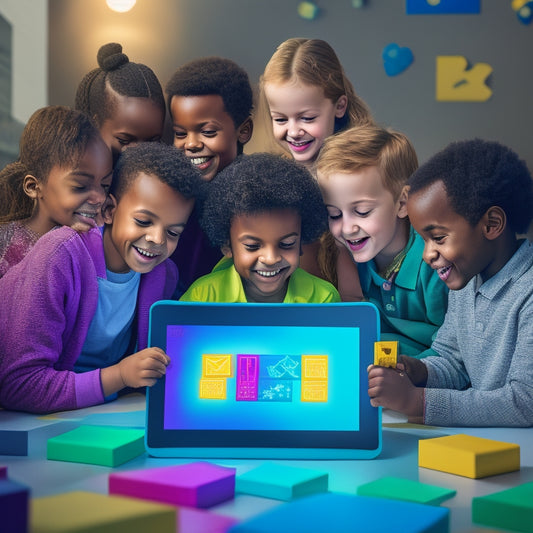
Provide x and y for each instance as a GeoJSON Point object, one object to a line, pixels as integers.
{"type": "Point", "coordinates": [31, 186]}
{"type": "Point", "coordinates": [226, 250]}
{"type": "Point", "coordinates": [402, 202]}
{"type": "Point", "coordinates": [341, 105]}
{"type": "Point", "coordinates": [109, 208]}
{"type": "Point", "coordinates": [245, 131]}
{"type": "Point", "coordinates": [494, 222]}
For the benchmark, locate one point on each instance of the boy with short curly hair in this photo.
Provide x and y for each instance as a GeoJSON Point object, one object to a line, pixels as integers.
{"type": "Point", "coordinates": [469, 202]}
{"type": "Point", "coordinates": [260, 210]}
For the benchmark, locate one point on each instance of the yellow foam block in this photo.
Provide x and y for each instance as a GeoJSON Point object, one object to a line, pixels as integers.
{"type": "Point", "coordinates": [465, 455]}
{"type": "Point", "coordinates": [89, 512]}
{"type": "Point", "coordinates": [386, 353]}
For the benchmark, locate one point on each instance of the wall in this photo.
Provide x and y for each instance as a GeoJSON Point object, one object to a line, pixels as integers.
{"type": "Point", "coordinates": [166, 33]}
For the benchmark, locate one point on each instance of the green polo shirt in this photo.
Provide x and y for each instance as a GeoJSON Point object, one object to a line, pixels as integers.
{"type": "Point", "coordinates": [412, 308]}
{"type": "Point", "coordinates": [224, 285]}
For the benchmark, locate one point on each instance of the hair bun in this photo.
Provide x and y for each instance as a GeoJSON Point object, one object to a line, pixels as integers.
{"type": "Point", "coordinates": [110, 57]}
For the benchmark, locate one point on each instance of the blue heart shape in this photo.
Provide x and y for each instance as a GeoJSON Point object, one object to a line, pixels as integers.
{"type": "Point", "coordinates": [396, 59]}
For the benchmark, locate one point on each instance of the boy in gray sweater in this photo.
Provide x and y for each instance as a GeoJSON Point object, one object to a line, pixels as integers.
{"type": "Point", "coordinates": [468, 202]}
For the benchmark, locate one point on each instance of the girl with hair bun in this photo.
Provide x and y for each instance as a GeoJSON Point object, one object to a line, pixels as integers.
{"type": "Point", "coordinates": [124, 98]}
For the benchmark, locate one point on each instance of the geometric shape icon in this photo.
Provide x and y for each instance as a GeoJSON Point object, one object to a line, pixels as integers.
{"type": "Point", "coordinates": [213, 389]}
{"type": "Point", "coordinates": [405, 489]}
{"type": "Point", "coordinates": [308, 10]}
{"type": "Point", "coordinates": [441, 7]}
{"type": "Point", "coordinates": [465, 455]}
{"type": "Point", "coordinates": [216, 365]}
{"type": "Point", "coordinates": [314, 367]}
{"type": "Point", "coordinates": [274, 390]}
{"type": "Point", "coordinates": [396, 59]}
{"type": "Point", "coordinates": [332, 511]}
{"type": "Point", "coordinates": [386, 353]}
{"type": "Point", "coordinates": [280, 366]}
{"type": "Point", "coordinates": [314, 391]}
{"type": "Point", "coordinates": [507, 509]}
{"type": "Point", "coordinates": [97, 445]}
{"type": "Point", "coordinates": [247, 377]}
{"type": "Point", "coordinates": [281, 482]}
{"type": "Point", "coordinates": [455, 82]}
{"type": "Point", "coordinates": [198, 484]}
{"type": "Point", "coordinates": [89, 512]}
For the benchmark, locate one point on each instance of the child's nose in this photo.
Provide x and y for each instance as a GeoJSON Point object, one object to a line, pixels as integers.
{"type": "Point", "coordinates": [97, 196]}
{"type": "Point", "coordinates": [349, 226]}
{"type": "Point", "coordinates": [156, 235]}
{"type": "Point", "coordinates": [193, 142]}
{"type": "Point", "coordinates": [294, 129]}
{"type": "Point", "coordinates": [270, 256]}
{"type": "Point", "coordinates": [430, 253]}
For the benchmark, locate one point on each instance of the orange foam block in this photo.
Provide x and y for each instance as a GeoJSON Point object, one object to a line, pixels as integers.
{"type": "Point", "coordinates": [199, 484]}
{"type": "Point", "coordinates": [465, 455]}
{"type": "Point", "coordinates": [87, 512]}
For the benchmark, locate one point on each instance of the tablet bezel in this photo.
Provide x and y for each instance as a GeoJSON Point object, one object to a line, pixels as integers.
{"type": "Point", "coordinates": [362, 444]}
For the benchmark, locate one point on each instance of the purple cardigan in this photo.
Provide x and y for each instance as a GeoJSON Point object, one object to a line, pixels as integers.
{"type": "Point", "coordinates": [47, 303]}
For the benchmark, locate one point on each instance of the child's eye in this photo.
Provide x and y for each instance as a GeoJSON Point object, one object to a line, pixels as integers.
{"type": "Point", "coordinates": [335, 217]}
{"type": "Point", "coordinates": [123, 142]}
{"type": "Point", "coordinates": [180, 135]}
{"type": "Point", "coordinates": [438, 239]}
{"type": "Point", "coordinates": [251, 247]}
{"type": "Point", "coordinates": [308, 119]}
{"type": "Point", "coordinates": [209, 133]}
{"type": "Point", "coordinates": [362, 213]}
{"type": "Point", "coordinates": [279, 120]}
{"type": "Point", "coordinates": [142, 223]}
{"type": "Point", "coordinates": [79, 188]}
{"type": "Point", "coordinates": [286, 245]}
{"type": "Point", "coordinates": [173, 234]}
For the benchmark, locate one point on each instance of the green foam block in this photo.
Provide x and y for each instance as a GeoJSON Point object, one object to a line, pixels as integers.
{"type": "Point", "coordinates": [98, 445]}
{"type": "Point", "coordinates": [404, 489]}
{"type": "Point", "coordinates": [507, 509]}
{"type": "Point", "coordinates": [280, 482]}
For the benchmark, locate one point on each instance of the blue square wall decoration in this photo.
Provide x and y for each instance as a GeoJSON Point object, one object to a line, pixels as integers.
{"type": "Point", "coordinates": [442, 7]}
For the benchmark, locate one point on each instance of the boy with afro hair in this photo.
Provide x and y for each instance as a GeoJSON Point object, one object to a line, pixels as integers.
{"type": "Point", "coordinates": [210, 101]}
{"type": "Point", "coordinates": [469, 202]}
{"type": "Point", "coordinates": [259, 211]}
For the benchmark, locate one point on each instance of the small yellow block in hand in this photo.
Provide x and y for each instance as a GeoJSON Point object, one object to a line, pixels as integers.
{"type": "Point", "coordinates": [386, 353]}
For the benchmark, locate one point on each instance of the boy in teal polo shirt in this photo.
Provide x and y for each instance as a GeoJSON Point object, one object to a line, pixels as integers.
{"type": "Point", "coordinates": [260, 210]}
{"type": "Point", "coordinates": [362, 173]}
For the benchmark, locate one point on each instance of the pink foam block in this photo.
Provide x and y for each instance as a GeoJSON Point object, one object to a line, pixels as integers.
{"type": "Point", "coordinates": [199, 484]}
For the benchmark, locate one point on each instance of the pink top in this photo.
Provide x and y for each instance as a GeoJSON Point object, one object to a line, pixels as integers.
{"type": "Point", "coordinates": [16, 239]}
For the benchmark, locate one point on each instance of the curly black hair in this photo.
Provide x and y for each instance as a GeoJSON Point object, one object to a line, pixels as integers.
{"type": "Point", "coordinates": [167, 163]}
{"type": "Point", "coordinates": [215, 75]}
{"type": "Point", "coordinates": [261, 182]}
{"type": "Point", "coordinates": [116, 72]}
{"type": "Point", "coordinates": [478, 174]}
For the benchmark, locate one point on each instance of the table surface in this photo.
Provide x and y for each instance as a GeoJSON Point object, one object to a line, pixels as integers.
{"type": "Point", "coordinates": [399, 458]}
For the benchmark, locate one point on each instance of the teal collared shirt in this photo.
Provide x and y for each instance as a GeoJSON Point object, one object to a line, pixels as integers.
{"type": "Point", "coordinates": [224, 285]}
{"type": "Point", "coordinates": [412, 308]}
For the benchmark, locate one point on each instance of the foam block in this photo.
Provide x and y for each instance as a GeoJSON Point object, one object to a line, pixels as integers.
{"type": "Point", "coordinates": [406, 490]}
{"type": "Point", "coordinates": [88, 512]}
{"type": "Point", "coordinates": [99, 445]}
{"type": "Point", "coordinates": [280, 482]}
{"type": "Point", "coordinates": [14, 499]}
{"type": "Point", "coordinates": [465, 455]}
{"type": "Point", "coordinates": [199, 484]}
{"type": "Point", "coordinates": [192, 520]}
{"type": "Point", "coordinates": [508, 509]}
{"type": "Point", "coordinates": [3, 472]}
{"type": "Point", "coordinates": [345, 512]}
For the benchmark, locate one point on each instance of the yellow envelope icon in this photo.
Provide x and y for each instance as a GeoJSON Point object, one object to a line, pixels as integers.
{"type": "Point", "coordinates": [218, 365]}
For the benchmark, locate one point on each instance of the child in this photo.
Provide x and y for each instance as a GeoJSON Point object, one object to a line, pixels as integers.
{"type": "Point", "coordinates": [210, 102]}
{"type": "Point", "coordinates": [81, 301]}
{"type": "Point", "coordinates": [124, 98]}
{"type": "Point", "coordinates": [259, 210]}
{"type": "Point", "coordinates": [468, 202]}
{"type": "Point", "coordinates": [61, 177]}
{"type": "Point", "coordinates": [362, 173]}
{"type": "Point", "coordinates": [308, 97]}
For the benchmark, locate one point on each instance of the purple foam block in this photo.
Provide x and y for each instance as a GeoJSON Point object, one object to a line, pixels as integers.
{"type": "Point", "coordinates": [3, 472]}
{"type": "Point", "coordinates": [199, 484]}
{"type": "Point", "coordinates": [198, 521]}
{"type": "Point", "coordinates": [14, 499]}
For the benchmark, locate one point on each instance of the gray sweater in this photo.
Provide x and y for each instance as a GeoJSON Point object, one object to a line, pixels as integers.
{"type": "Point", "coordinates": [484, 376]}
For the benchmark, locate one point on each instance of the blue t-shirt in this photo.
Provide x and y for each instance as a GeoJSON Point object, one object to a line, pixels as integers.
{"type": "Point", "coordinates": [111, 327]}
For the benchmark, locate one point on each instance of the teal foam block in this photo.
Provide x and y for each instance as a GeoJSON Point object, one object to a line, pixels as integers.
{"type": "Point", "coordinates": [507, 509]}
{"type": "Point", "coordinates": [345, 512]}
{"type": "Point", "coordinates": [98, 445]}
{"type": "Point", "coordinates": [406, 490]}
{"type": "Point", "coordinates": [280, 482]}
{"type": "Point", "coordinates": [14, 504]}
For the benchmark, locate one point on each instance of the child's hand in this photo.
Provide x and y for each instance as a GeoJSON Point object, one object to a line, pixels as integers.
{"type": "Point", "coordinates": [392, 388]}
{"type": "Point", "coordinates": [144, 368]}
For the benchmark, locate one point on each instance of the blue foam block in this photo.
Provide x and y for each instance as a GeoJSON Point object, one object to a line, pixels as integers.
{"type": "Point", "coordinates": [345, 512]}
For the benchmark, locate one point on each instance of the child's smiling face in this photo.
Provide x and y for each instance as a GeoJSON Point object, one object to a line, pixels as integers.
{"type": "Point", "coordinates": [453, 247]}
{"type": "Point", "coordinates": [205, 131]}
{"type": "Point", "coordinates": [146, 222]}
{"type": "Point", "coordinates": [266, 250]}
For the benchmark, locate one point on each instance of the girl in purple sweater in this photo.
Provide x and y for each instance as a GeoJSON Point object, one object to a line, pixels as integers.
{"type": "Point", "coordinates": [75, 308]}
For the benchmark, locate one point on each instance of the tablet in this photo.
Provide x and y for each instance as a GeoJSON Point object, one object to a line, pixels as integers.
{"type": "Point", "coordinates": [284, 381]}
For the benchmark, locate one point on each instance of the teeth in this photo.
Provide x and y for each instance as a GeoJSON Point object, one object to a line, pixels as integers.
{"type": "Point", "coordinates": [302, 143]}
{"type": "Point", "coordinates": [145, 253]}
{"type": "Point", "coordinates": [87, 215]}
{"type": "Point", "coordinates": [199, 160]}
{"type": "Point", "coordinates": [268, 273]}
{"type": "Point", "coordinates": [443, 270]}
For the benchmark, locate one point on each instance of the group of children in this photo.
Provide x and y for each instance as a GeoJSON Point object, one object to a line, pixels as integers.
{"type": "Point", "coordinates": [91, 234]}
